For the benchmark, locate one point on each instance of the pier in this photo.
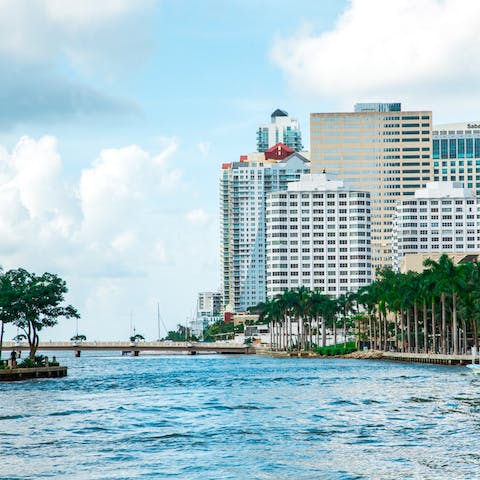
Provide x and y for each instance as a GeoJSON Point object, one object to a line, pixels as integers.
{"type": "Point", "coordinates": [135, 348]}
{"type": "Point", "coordinates": [16, 374]}
{"type": "Point", "coordinates": [435, 358]}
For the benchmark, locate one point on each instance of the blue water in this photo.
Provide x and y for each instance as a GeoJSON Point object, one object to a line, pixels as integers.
{"type": "Point", "coordinates": [237, 417]}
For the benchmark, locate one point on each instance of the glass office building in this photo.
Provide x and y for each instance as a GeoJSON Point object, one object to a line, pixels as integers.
{"type": "Point", "coordinates": [456, 154]}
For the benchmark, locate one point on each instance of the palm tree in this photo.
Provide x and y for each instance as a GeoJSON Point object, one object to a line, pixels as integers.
{"type": "Point", "coordinates": [470, 299]}
{"type": "Point", "coordinates": [315, 311]}
{"type": "Point", "coordinates": [346, 304]}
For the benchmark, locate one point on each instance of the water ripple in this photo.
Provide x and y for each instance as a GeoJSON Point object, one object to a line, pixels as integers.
{"type": "Point", "coordinates": [227, 417]}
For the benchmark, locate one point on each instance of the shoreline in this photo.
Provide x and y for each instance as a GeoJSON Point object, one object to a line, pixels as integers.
{"type": "Point", "coordinates": [431, 358]}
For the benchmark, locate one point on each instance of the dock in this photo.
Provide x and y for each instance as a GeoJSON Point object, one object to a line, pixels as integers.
{"type": "Point", "coordinates": [435, 358]}
{"type": "Point", "coordinates": [16, 374]}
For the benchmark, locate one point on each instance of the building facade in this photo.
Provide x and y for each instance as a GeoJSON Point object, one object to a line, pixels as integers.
{"type": "Point", "coordinates": [380, 149]}
{"type": "Point", "coordinates": [456, 154]}
{"type": "Point", "coordinates": [208, 311]}
{"type": "Point", "coordinates": [281, 129]}
{"type": "Point", "coordinates": [441, 218]}
{"type": "Point", "coordinates": [209, 303]}
{"type": "Point", "coordinates": [318, 236]}
{"type": "Point", "coordinates": [243, 189]}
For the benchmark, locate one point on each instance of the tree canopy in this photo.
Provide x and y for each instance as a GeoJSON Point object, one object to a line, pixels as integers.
{"type": "Point", "coordinates": [33, 302]}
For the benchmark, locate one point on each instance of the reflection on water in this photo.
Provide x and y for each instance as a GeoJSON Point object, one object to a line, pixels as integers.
{"type": "Point", "coordinates": [224, 417]}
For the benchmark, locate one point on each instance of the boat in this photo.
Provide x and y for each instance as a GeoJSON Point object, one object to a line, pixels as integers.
{"type": "Point", "coordinates": [475, 367]}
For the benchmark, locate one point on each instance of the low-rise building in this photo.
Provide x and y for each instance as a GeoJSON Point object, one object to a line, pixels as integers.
{"type": "Point", "coordinates": [441, 218]}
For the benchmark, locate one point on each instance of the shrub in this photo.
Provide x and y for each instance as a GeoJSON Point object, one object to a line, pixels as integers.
{"type": "Point", "coordinates": [333, 350]}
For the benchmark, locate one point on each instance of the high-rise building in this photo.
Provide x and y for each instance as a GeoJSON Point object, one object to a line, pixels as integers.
{"type": "Point", "coordinates": [281, 129]}
{"type": "Point", "coordinates": [209, 302]}
{"type": "Point", "coordinates": [318, 236]}
{"type": "Point", "coordinates": [380, 149]}
{"type": "Point", "coordinates": [243, 189]}
{"type": "Point", "coordinates": [441, 218]}
{"type": "Point", "coordinates": [209, 306]}
{"type": "Point", "coordinates": [456, 154]}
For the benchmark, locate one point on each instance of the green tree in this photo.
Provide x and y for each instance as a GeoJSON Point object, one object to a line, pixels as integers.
{"type": "Point", "coordinates": [78, 338]}
{"type": "Point", "coordinates": [35, 302]}
{"type": "Point", "coordinates": [6, 300]}
{"type": "Point", "coordinates": [137, 337]}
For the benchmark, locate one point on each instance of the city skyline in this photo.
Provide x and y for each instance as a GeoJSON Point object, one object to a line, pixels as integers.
{"type": "Point", "coordinates": [117, 117]}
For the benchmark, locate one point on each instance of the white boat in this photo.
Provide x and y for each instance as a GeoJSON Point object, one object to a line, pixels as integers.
{"type": "Point", "coordinates": [475, 367]}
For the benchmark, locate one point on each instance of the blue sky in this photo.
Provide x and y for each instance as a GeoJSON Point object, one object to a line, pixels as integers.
{"type": "Point", "coordinates": [117, 115]}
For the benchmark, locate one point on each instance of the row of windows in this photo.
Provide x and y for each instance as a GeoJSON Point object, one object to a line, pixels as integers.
{"type": "Point", "coordinates": [456, 148]}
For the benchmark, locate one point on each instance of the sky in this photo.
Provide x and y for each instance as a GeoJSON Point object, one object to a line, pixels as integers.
{"type": "Point", "coordinates": [116, 117]}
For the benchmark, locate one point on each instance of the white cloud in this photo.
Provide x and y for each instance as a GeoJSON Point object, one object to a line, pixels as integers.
{"type": "Point", "coordinates": [88, 39]}
{"type": "Point", "coordinates": [421, 51]}
{"type": "Point", "coordinates": [204, 147]}
{"type": "Point", "coordinates": [198, 216]}
{"type": "Point", "coordinates": [39, 30]}
{"type": "Point", "coordinates": [111, 233]}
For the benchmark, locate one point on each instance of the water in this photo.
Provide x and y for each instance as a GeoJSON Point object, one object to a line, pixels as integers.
{"type": "Point", "coordinates": [236, 417]}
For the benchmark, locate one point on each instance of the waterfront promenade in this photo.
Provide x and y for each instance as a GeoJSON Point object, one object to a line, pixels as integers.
{"type": "Point", "coordinates": [135, 348]}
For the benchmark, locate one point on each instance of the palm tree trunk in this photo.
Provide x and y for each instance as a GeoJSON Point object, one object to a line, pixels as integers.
{"type": "Point", "coordinates": [396, 331]}
{"type": "Point", "coordinates": [385, 331]}
{"type": "Point", "coordinates": [454, 324]}
{"type": "Point", "coordinates": [409, 340]}
{"type": "Point", "coordinates": [434, 330]}
{"type": "Point", "coordinates": [2, 328]}
{"type": "Point", "coordinates": [270, 329]}
{"type": "Point", "coordinates": [415, 325]}
{"type": "Point", "coordinates": [334, 330]}
{"type": "Point", "coordinates": [444, 325]}
{"type": "Point", "coordinates": [324, 332]}
{"type": "Point", "coordinates": [464, 328]}
{"type": "Point", "coordinates": [402, 329]}
{"type": "Point", "coordinates": [425, 328]}
{"type": "Point", "coordinates": [370, 331]}
{"type": "Point", "coordinates": [475, 334]}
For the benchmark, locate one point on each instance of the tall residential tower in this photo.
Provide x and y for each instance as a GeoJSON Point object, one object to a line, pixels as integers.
{"type": "Point", "coordinates": [281, 129]}
{"type": "Point", "coordinates": [243, 189]}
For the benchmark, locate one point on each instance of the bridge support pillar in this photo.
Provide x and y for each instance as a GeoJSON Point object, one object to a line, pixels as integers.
{"type": "Point", "coordinates": [77, 353]}
{"type": "Point", "coordinates": [192, 352]}
{"type": "Point", "coordinates": [135, 353]}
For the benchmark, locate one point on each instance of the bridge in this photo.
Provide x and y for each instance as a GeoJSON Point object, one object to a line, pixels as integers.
{"type": "Point", "coordinates": [134, 348]}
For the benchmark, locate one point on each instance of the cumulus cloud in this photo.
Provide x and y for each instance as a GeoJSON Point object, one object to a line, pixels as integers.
{"type": "Point", "coordinates": [204, 148]}
{"type": "Point", "coordinates": [88, 37]}
{"type": "Point", "coordinates": [419, 50]}
{"type": "Point", "coordinates": [197, 216]}
{"type": "Point", "coordinates": [98, 231]}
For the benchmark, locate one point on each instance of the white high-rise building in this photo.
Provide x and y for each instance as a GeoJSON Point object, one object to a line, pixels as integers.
{"type": "Point", "coordinates": [209, 305]}
{"type": "Point", "coordinates": [281, 129]}
{"type": "Point", "coordinates": [441, 218]}
{"type": "Point", "coordinates": [318, 236]}
{"type": "Point", "coordinates": [243, 189]}
{"type": "Point", "coordinates": [209, 302]}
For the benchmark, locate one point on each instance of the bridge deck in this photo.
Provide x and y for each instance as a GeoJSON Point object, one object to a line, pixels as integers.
{"type": "Point", "coordinates": [191, 347]}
